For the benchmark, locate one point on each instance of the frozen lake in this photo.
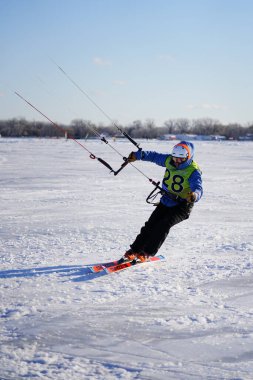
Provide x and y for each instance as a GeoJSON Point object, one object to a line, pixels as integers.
{"type": "Point", "coordinates": [190, 317]}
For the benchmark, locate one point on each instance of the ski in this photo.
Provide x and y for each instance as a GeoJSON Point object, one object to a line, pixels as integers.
{"type": "Point", "coordinates": [100, 267]}
{"type": "Point", "coordinates": [128, 264]}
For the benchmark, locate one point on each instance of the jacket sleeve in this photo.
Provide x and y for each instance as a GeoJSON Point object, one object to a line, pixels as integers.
{"type": "Point", "coordinates": [195, 181]}
{"type": "Point", "coordinates": [156, 158]}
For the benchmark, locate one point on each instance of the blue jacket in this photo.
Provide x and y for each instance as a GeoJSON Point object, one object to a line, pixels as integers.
{"type": "Point", "coordinates": [195, 179]}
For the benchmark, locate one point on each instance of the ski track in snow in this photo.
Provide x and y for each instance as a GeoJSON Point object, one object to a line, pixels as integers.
{"type": "Point", "coordinates": [190, 317]}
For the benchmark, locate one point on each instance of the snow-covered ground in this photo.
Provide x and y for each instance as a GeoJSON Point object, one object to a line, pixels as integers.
{"type": "Point", "coordinates": [190, 317]}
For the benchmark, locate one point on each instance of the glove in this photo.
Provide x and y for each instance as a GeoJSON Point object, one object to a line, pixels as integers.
{"type": "Point", "coordinates": [191, 197]}
{"type": "Point", "coordinates": [131, 157]}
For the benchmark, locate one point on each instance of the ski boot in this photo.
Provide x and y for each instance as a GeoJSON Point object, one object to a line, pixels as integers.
{"type": "Point", "coordinates": [142, 256]}
{"type": "Point", "coordinates": [130, 255]}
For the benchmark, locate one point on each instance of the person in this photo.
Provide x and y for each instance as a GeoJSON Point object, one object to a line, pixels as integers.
{"type": "Point", "coordinates": [182, 183]}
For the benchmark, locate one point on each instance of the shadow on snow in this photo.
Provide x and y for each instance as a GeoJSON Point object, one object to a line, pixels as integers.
{"type": "Point", "coordinates": [74, 273]}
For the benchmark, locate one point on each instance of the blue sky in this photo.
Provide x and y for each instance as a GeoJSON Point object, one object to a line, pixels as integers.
{"type": "Point", "coordinates": [137, 59]}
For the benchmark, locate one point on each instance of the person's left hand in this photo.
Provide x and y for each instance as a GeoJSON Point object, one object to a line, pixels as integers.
{"type": "Point", "coordinates": [191, 197]}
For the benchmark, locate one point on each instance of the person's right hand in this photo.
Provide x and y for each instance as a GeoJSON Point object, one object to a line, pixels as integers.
{"type": "Point", "coordinates": [131, 157]}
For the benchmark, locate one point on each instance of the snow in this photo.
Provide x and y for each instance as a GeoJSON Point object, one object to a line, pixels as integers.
{"type": "Point", "coordinates": [190, 317]}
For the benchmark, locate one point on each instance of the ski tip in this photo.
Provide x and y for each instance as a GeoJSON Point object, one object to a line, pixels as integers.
{"type": "Point", "coordinates": [161, 257]}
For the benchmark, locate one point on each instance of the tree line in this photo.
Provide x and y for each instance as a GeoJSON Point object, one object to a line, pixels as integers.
{"type": "Point", "coordinates": [82, 129]}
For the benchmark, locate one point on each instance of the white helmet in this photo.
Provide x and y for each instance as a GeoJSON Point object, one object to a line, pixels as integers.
{"type": "Point", "coordinates": [181, 151]}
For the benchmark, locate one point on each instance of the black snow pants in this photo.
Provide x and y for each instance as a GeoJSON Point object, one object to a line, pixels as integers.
{"type": "Point", "coordinates": [156, 229]}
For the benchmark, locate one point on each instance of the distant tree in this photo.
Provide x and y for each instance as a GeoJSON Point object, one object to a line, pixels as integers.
{"type": "Point", "coordinates": [135, 129]}
{"type": "Point", "coordinates": [207, 126]}
{"type": "Point", "coordinates": [234, 131]}
{"type": "Point", "coordinates": [176, 126]}
{"type": "Point", "coordinates": [80, 129]}
{"type": "Point", "coordinates": [169, 127]}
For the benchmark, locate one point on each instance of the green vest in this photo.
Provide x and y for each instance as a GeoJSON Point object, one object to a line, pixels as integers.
{"type": "Point", "coordinates": [176, 181]}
